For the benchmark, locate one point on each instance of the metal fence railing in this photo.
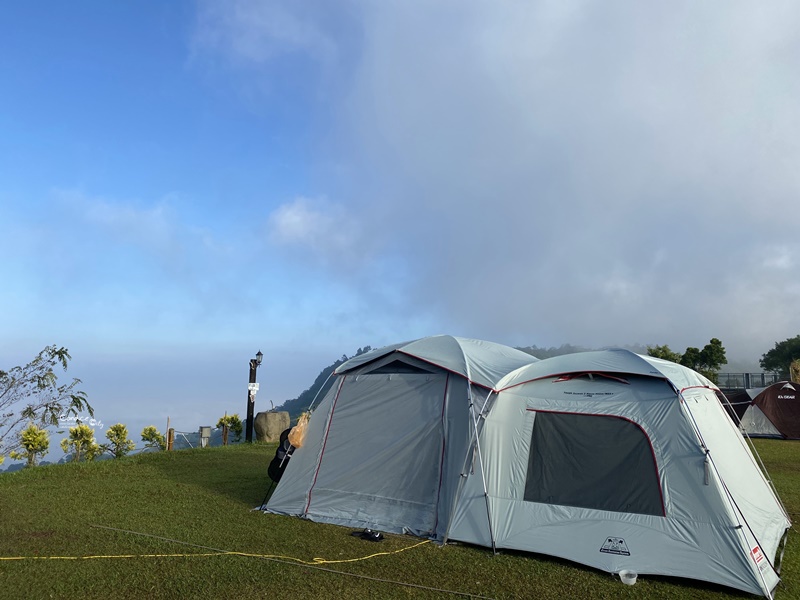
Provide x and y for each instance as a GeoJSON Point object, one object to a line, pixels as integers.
{"type": "Point", "coordinates": [746, 380]}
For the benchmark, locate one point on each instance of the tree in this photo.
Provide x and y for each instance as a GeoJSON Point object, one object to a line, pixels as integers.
{"type": "Point", "coordinates": [120, 444]}
{"type": "Point", "coordinates": [31, 394]}
{"type": "Point", "coordinates": [781, 356]}
{"type": "Point", "coordinates": [707, 361]}
{"type": "Point", "coordinates": [153, 438]}
{"type": "Point", "coordinates": [234, 424]}
{"type": "Point", "coordinates": [34, 442]}
{"type": "Point", "coordinates": [81, 442]}
{"type": "Point", "coordinates": [664, 352]}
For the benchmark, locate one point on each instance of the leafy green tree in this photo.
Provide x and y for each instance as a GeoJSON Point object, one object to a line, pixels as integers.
{"type": "Point", "coordinates": [153, 438]}
{"type": "Point", "coordinates": [706, 361]}
{"type": "Point", "coordinates": [664, 352]}
{"type": "Point", "coordinates": [31, 394]}
{"type": "Point", "coordinates": [81, 443]}
{"type": "Point", "coordinates": [781, 356]}
{"type": "Point", "coordinates": [119, 443]}
{"type": "Point", "coordinates": [234, 424]}
{"type": "Point", "coordinates": [34, 442]}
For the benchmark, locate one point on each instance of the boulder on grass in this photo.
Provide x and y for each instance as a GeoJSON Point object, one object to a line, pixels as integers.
{"type": "Point", "coordinates": [269, 425]}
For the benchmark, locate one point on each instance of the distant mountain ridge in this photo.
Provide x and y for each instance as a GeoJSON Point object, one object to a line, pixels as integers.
{"type": "Point", "coordinates": [319, 388]}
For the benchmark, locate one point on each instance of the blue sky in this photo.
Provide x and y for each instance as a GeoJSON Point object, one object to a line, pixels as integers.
{"type": "Point", "coordinates": [185, 183]}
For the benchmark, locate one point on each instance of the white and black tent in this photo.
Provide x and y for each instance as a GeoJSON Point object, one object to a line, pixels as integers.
{"type": "Point", "coordinates": [774, 411]}
{"type": "Point", "coordinates": [610, 459]}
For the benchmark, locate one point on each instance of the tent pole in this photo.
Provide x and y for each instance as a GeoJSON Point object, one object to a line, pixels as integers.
{"type": "Point", "coordinates": [485, 489]}
{"type": "Point", "coordinates": [319, 391]}
{"type": "Point", "coordinates": [261, 506]}
{"type": "Point", "coordinates": [466, 458]}
{"type": "Point", "coordinates": [483, 473]}
{"type": "Point", "coordinates": [463, 475]}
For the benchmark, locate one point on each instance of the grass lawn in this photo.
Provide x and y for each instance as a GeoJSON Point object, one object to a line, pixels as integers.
{"type": "Point", "coordinates": [156, 526]}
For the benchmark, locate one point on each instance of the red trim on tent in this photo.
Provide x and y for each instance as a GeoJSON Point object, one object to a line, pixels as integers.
{"type": "Point", "coordinates": [699, 387]}
{"type": "Point", "coordinates": [570, 376]}
{"type": "Point", "coordinates": [324, 443]}
{"type": "Point", "coordinates": [441, 458]}
{"type": "Point", "coordinates": [443, 368]}
{"type": "Point", "coordinates": [423, 360]}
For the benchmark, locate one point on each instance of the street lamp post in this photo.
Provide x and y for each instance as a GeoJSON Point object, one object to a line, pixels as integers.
{"type": "Point", "coordinates": [252, 388]}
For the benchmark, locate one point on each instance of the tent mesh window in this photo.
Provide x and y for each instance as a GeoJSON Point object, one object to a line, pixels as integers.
{"type": "Point", "coordinates": [592, 461]}
{"type": "Point", "coordinates": [397, 366]}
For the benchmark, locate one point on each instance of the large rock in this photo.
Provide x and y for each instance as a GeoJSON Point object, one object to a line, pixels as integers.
{"type": "Point", "coordinates": [269, 425]}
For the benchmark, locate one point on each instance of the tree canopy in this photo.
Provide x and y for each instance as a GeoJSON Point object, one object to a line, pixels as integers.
{"type": "Point", "coordinates": [153, 438]}
{"type": "Point", "coordinates": [665, 353]}
{"type": "Point", "coordinates": [119, 443]}
{"type": "Point", "coordinates": [706, 361]}
{"type": "Point", "coordinates": [234, 424]}
{"type": "Point", "coordinates": [781, 356]}
{"type": "Point", "coordinates": [31, 394]}
{"type": "Point", "coordinates": [81, 443]}
{"type": "Point", "coordinates": [35, 442]}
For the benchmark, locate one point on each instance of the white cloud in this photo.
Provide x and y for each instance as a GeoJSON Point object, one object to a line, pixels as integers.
{"type": "Point", "coordinates": [151, 227]}
{"type": "Point", "coordinates": [779, 257]}
{"type": "Point", "coordinates": [567, 172]}
{"type": "Point", "coordinates": [315, 228]}
{"type": "Point", "coordinates": [254, 32]}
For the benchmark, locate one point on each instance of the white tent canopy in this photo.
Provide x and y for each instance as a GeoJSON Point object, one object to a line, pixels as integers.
{"type": "Point", "coordinates": [609, 458]}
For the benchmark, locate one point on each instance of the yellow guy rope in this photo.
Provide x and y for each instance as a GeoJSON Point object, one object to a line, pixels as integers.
{"type": "Point", "coordinates": [315, 561]}
{"type": "Point", "coordinates": [312, 564]}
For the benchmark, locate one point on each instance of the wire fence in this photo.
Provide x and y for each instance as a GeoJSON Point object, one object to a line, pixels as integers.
{"type": "Point", "coordinates": [201, 439]}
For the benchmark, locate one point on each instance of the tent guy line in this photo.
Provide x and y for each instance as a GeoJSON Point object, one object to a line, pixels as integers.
{"type": "Point", "coordinates": [287, 560]}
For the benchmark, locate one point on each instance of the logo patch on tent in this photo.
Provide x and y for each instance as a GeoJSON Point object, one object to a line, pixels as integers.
{"type": "Point", "coordinates": [615, 545]}
{"type": "Point", "coordinates": [588, 394]}
{"type": "Point", "coordinates": [759, 557]}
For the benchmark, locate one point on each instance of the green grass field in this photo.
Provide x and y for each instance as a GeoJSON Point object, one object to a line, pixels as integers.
{"type": "Point", "coordinates": [167, 525]}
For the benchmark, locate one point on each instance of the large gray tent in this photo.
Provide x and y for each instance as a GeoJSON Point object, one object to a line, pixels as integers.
{"type": "Point", "coordinates": [610, 459]}
{"type": "Point", "coordinates": [391, 434]}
